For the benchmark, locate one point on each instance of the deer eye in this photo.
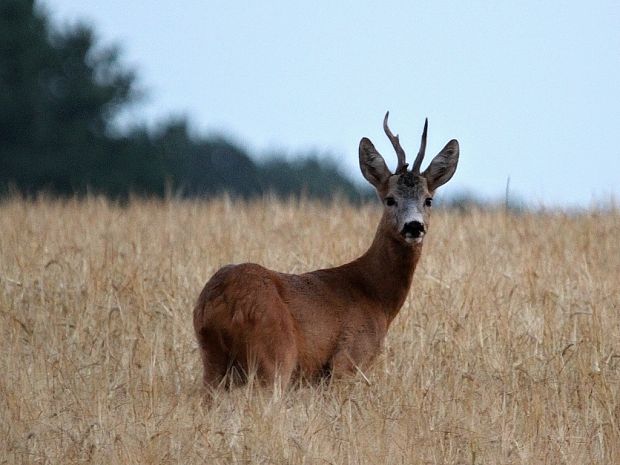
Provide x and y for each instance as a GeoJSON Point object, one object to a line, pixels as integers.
{"type": "Point", "coordinates": [428, 202]}
{"type": "Point", "coordinates": [390, 201]}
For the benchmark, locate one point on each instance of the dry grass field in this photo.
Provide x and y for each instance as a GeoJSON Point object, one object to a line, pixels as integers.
{"type": "Point", "coordinates": [507, 350]}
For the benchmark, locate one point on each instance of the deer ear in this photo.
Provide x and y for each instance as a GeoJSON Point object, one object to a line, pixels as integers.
{"type": "Point", "coordinates": [372, 164]}
{"type": "Point", "coordinates": [443, 166]}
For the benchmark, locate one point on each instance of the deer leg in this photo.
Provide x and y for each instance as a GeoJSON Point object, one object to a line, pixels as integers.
{"type": "Point", "coordinates": [275, 360]}
{"type": "Point", "coordinates": [342, 364]}
{"type": "Point", "coordinates": [212, 374]}
{"type": "Point", "coordinates": [214, 359]}
{"type": "Point", "coordinates": [272, 348]}
{"type": "Point", "coordinates": [352, 360]}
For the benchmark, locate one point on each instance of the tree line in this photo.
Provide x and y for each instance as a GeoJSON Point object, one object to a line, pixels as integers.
{"type": "Point", "coordinates": [60, 93]}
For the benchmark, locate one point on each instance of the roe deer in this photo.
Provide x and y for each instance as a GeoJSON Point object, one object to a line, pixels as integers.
{"type": "Point", "coordinates": [329, 321]}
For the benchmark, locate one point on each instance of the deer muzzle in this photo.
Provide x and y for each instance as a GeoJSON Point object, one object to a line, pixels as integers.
{"type": "Point", "coordinates": [413, 230]}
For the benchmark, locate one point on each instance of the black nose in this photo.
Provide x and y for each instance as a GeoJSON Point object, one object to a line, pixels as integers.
{"type": "Point", "coordinates": [413, 228]}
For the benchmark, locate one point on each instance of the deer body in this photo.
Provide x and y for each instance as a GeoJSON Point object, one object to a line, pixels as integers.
{"type": "Point", "coordinates": [325, 321]}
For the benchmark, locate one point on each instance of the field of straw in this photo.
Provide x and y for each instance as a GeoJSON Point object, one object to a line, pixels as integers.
{"type": "Point", "coordinates": [507, 350]}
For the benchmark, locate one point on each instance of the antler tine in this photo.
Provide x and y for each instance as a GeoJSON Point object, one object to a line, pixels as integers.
{"type": "Point", "coordinates": [400, 152]}
{"type": "Point", "coordinates": [417, 164]}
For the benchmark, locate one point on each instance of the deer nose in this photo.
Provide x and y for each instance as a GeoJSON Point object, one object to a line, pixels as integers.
{"type": "Point", "coordinates": [414, 229]}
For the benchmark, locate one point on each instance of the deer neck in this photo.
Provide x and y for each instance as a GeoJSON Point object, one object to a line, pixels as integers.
{"type": "Point", "coordinates": [388, 268]}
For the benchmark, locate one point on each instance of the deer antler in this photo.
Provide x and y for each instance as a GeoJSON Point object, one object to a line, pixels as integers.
{"type": "Point", "coordinates": [417, 164]}
{"type": "Point", "coordinates": [400, 153]}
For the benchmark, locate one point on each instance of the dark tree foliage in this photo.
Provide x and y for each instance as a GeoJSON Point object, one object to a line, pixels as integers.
{"type": "Point", "coordinates": [56, 99]}
{"type": "Point", "coordinates": [204, 167]}
{"type": "Point", "coordinates": [59, 93]}
{"type": "Point", "coordinates": [307, 177]}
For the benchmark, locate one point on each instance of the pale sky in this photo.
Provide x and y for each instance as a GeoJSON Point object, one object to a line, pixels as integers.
{"type": "Point", "coordinates": [531, 89]}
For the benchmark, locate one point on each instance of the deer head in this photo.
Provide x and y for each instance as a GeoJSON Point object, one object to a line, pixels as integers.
{"type": "Point", "coordinates": [407, 195]}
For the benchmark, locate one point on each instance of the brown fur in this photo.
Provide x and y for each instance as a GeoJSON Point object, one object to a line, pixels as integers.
{"type": "Point", "coordinates": [333, 319]}
{"type": "Point", "coordinates": [326, 321]}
